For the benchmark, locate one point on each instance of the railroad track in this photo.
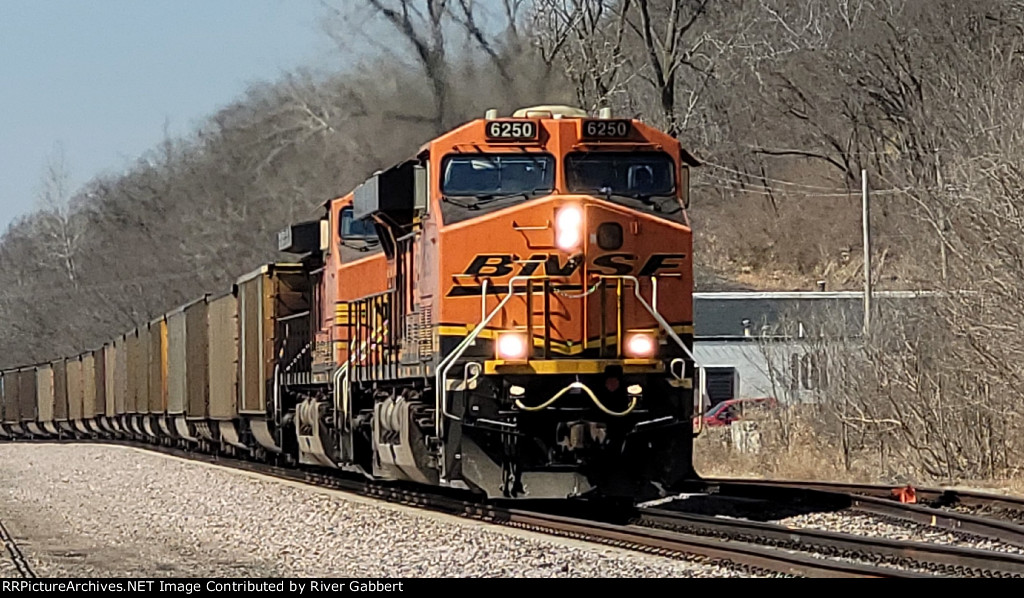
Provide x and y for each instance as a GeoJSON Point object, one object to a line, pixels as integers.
{"type": "Point", "coordinates": [750, 557]}
{"type": "Point", "coordinates": [932, 558]}
{"type": "Point", "coordinates": [1007, 508]}
{"type": "Point", "coordinates": [952, 510]}
{"type": "Point", "coordinates": [17, 558]}
{"type": "Point", "coordinates": [751, 546]}
{"type": "Point", "coordinates": [596, 526]}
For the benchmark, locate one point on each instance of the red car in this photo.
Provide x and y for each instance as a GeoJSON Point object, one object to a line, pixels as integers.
{"type": "Point", "coordinates": [726, 412]}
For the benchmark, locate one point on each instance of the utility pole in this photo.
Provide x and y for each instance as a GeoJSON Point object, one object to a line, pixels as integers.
{"type": "Point", "coordinates": [942, 229]}
{"type": "Point", "coordinates": [866, 222]}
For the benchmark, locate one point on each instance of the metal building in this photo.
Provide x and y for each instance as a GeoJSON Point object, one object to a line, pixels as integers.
{"type": "Point", "coordinates": [756, 344]}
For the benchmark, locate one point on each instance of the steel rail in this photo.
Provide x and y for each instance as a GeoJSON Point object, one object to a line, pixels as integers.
{"type": "Point", "coordinates": [14, 551]}
{"type": "Point", "coordinates": [667, 542]}
{"type": "Point", "coordinates": [747, 556]}
{"type": "Point", "coordinates": [939, 558]}
{"type": "Point", "coordinates": [878, 500]}
{"type": "Point", "coordinates": [934, 496]}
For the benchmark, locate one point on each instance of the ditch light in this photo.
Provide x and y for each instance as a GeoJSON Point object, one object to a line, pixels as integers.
{"type": "Point", "coordinates": [512, 346]}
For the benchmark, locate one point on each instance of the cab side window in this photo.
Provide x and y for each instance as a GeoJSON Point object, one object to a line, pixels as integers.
{"type": "Point", "coordinates": [350, 228]}
{"type": "Point", "coordinates": [358, 238]}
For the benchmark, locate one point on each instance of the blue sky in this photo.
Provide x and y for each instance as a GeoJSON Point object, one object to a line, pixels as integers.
{"type": "Point", "coordinates": [101, 77]}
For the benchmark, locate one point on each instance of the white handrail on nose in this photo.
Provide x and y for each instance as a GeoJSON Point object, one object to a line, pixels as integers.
{"type": "Point", "coordinates": [446, 364]}
{"type": "Point", "coordinates": [441, 375]}
{"type": "Point", "coordinates": [483, 298]}
{"type": "Point", "coordinates": [698, 369]}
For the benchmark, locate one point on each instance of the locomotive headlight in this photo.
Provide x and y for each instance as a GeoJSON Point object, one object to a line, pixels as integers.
{"type": "Point", "coordinates": [569, 227]}
{"type": "Point", "coordinates": [640, 344]}
{"type": "Point", "coordinates": [512, 346]}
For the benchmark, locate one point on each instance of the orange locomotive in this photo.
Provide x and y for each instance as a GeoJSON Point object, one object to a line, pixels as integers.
{"type": "Point", "coordinates": [509, 311]}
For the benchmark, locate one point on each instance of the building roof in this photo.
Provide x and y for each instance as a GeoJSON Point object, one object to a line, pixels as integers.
{"type": "Point", "coordinates": [747, 314]}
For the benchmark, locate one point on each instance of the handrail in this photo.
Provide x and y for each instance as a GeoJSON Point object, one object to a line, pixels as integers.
{"type": "Point", "coordinates": [441, 375]}
{"type": "Point", "coordinates": [657, 317]}
{"type": "Point", "coordinates": [277, 392]}
{"type": "Point", "coordinates": [341, 391]}
{"type": "Point", "coordinates": [483, 298]}
{"type": "Point", "coordinates": [672, 334]}
{"type": "Point", "coordinates": [298, 356]}
{"type": "Point", "coordinates": [471, 365]}
{"type": "Point", "coordinates": [444, 367]}
{"type": "Point", "coordinates": [701, 391]}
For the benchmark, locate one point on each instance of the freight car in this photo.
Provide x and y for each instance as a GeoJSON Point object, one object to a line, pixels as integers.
{"type": "Point", "coordinates": [509, 311]}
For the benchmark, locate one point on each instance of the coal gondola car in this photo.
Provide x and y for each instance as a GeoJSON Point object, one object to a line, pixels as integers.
{"type": "Point", "coordinates": [509, 311]}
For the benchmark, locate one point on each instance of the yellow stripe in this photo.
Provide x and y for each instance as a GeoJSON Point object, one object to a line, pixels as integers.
{"type": "Point", "coordinates": [572, 366]}
{"type": "Point", "coordinates": [341, 313]}
{"type": "Point", "coordinates": [464, 330]}
{"type": "Point", "coordinates": [557, 346]}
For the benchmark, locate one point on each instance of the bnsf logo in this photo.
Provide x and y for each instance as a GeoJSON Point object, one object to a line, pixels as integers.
{"type": "Point", "coordinates": [618, 264]}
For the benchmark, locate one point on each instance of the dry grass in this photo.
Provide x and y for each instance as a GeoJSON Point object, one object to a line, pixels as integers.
{"type": "Point", "coordinates": [801, 451]}
{"type": "Point", "coordinates": [803, 458]}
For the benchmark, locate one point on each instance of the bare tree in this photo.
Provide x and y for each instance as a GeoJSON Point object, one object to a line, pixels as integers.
{"type": "Point", "coordinates": [586, 37]}
{"type": "Point", "coordinates": [671, 43]}
{"type": "Point", "coordinates": [58, 225]}
{"type": "Point", "coordinates": [421, 24]}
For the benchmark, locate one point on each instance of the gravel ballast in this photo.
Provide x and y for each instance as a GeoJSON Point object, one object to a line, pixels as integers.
{"type": "Point", "coordinates": [880, 527]}
{"type": "Point", "coordinates": [96, 510]}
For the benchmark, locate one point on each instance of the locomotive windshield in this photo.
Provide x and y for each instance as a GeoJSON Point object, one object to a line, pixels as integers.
{"type": "Point", "coordinates": [475, 184]}
{"type": "Point", "coordinates": [633, 174]}
{"type": "Point", "coordinates": [486, 176]}
{"type": "Point", "coordinates": [644, 180]}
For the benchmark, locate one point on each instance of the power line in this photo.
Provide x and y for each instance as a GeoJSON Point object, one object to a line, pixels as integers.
{"type": "Point", "coordinates": [731, 186]}
{"type": "Point", "coordinates": [780, 181]}
{"type": "Point", "coordinates": [835, 193]}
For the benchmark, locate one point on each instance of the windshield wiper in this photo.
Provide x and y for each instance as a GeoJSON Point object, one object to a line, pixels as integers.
{"type": "Point", "coordinates": [370, 243]}
{"type": "Point", "coordinates": [483, 199]}
{"type": "Point", "coordinates": [654, 201]}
